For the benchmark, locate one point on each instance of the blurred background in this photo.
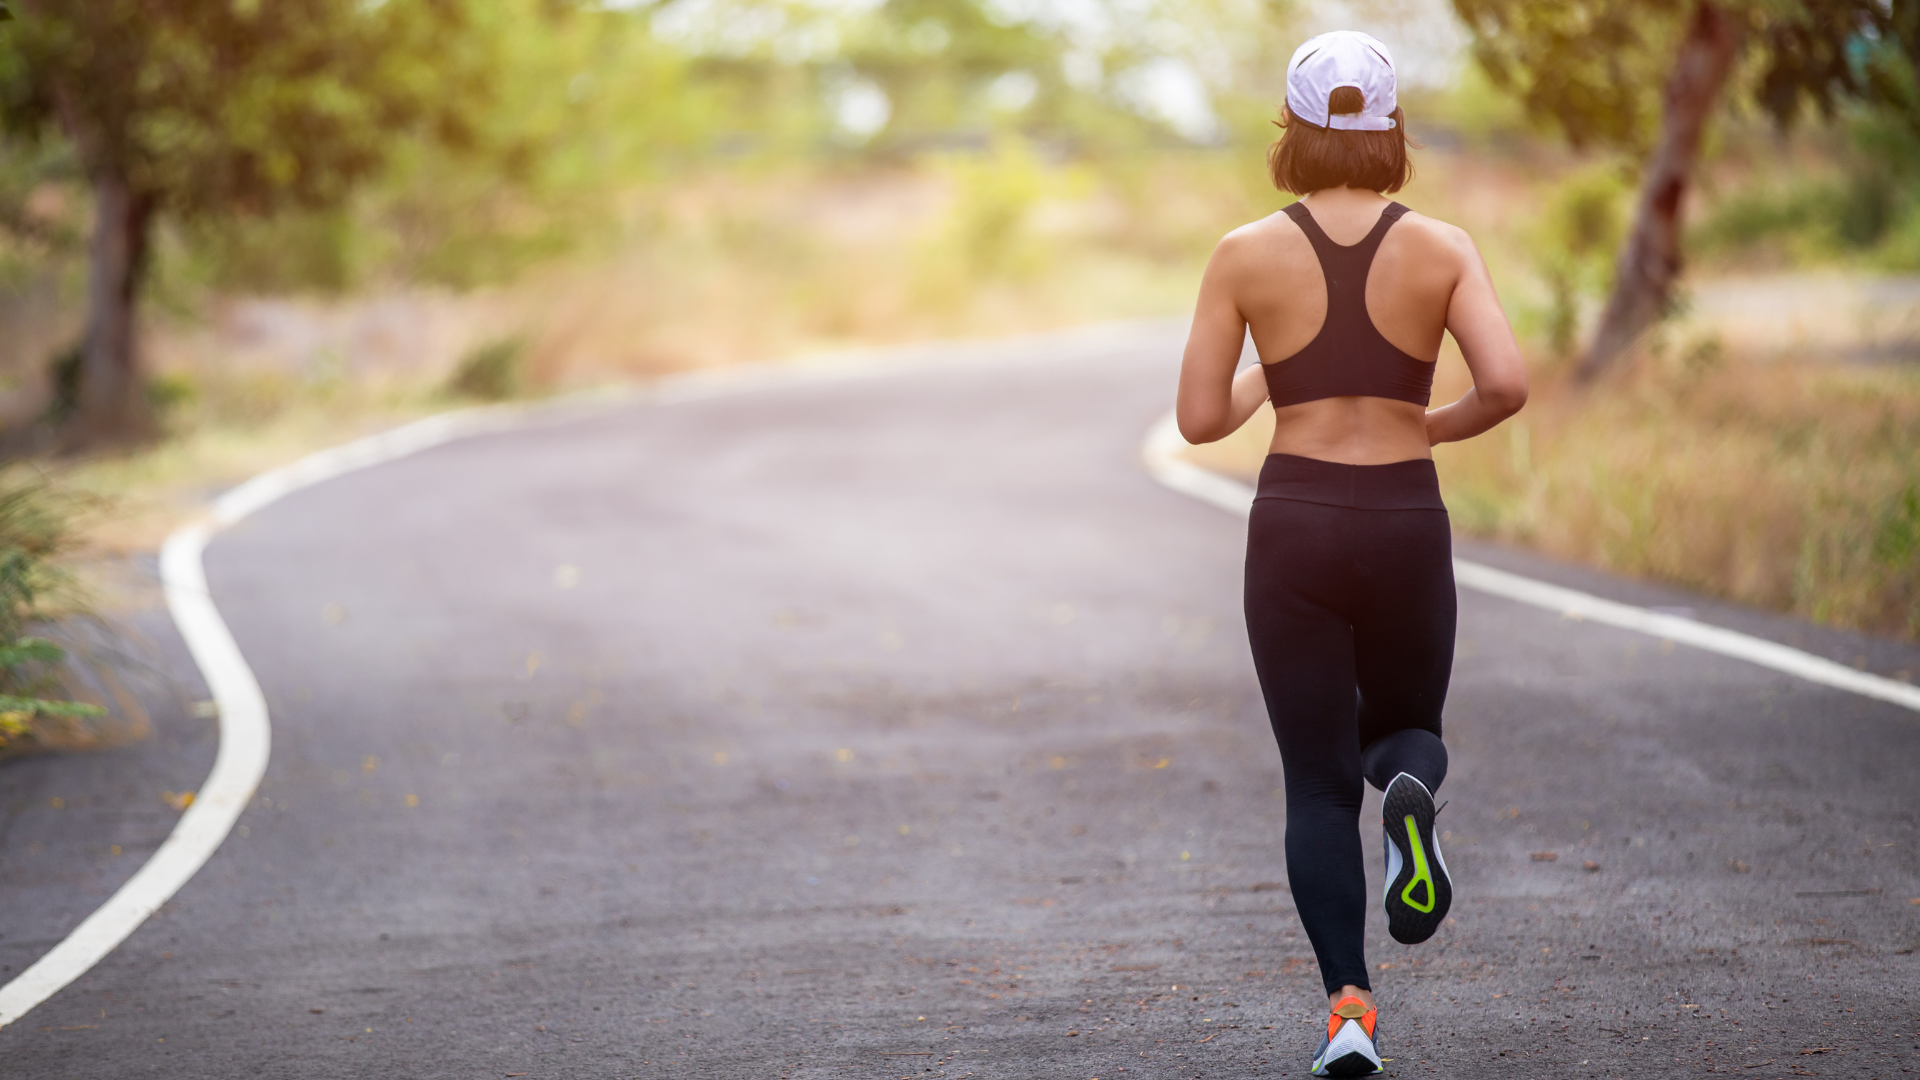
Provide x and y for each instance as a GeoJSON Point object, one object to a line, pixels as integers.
{"type": "Point", "coordinates": [233, 231]}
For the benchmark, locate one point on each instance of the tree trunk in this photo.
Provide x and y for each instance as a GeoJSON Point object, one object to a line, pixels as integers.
{"type": "Point", "coordinates": [112, 400]}
{"type": "Point", "coordinates": [1650, 262]}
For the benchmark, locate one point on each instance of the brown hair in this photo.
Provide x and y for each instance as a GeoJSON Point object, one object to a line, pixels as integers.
{"type": "Point", "coordinates": [1308, 157]}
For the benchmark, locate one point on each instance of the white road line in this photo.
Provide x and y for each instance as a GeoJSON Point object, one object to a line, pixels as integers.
{"type": "Point", "coordinates": [236, 770]}
{"type": "Point", "coordinates": [1161, 451]}
{"type": "Point", "coordinates": [246, 734]}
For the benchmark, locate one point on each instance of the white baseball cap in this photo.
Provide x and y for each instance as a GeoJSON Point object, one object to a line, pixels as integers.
{"type": "Point", "coordinates": [1342, 58]}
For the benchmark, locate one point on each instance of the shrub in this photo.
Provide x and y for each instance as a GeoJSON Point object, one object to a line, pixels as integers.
{"type": "Point", "coordinates": [490, 371]}
{"type": "Point", "coordinates": [35, 705]}
{"type": "Point", "coordinates": [1575, 242]}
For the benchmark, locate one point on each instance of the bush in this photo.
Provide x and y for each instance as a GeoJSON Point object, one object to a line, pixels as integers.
{"type": "Point", "coordinates": [490, 371]}
{"type": "Point", "coordinates": [1865, 204]}
{"type": "Point", "coordinates": [170, 392]}
{"type": "Point", "coordinates": [35, 682]}
{"type": "Point", "coordinates": [1575, 241]}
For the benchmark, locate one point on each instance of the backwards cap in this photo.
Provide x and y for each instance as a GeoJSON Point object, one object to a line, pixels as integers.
{"type": "Point", "coordinates": [1342, 58]}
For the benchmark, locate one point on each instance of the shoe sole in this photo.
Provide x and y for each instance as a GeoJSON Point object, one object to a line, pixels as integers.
{"type": "Point", "coordinates": [1420, 894]}
{"type": "Point", "coordinates": [1355, 1064]}
{"type": "Point", "coordinates": [1353, 1053]}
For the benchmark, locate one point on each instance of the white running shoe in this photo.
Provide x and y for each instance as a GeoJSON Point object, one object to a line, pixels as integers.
{"type": "Point", "coordinates": [1349, 1049]}
{"type": "Point", "coordinates": [1418, 889]}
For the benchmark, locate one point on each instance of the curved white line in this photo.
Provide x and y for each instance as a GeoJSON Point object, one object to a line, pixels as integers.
{"type": "Point", "coordinates": [236, 771]}
{"type": "Point", "coordinates": [246, 735]}
{"type": "Point", "coordinates": [1161, 451]}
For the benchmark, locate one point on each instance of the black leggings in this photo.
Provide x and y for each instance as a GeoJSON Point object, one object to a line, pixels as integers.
{"type": "Point", "coordinates": [1350, 611]}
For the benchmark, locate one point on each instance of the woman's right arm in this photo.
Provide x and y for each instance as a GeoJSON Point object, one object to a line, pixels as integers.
{"type": "Point", "coordinates": [1479, 326]}
{"type": "Point", "coordinates": [1213, 400]}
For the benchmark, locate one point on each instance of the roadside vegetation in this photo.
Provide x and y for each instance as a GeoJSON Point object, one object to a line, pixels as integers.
{"type": "Point", "coordinates": [616, 192]}
{"type": "Point", "coordinates": [61, 686]}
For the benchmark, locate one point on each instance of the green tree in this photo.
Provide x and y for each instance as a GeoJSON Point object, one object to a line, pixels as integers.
{"type": "Point", "coordinates": [206, 108]}
{"type": "Point", "coordinates": [1647, 76]}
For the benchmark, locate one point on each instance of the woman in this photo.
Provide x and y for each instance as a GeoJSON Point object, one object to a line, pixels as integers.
{"type": "Point", "coordinates": [1349, 584]}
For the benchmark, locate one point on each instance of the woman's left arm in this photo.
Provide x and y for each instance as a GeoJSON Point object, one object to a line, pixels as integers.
{"type": "Point", "coordinates": [1479, 326]}
{"type": "Point", "coordinates": [1213, 400]}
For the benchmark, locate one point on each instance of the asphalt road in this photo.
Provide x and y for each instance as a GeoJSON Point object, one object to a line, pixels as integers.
{"type": "Point", "coordinates": [900, 726]}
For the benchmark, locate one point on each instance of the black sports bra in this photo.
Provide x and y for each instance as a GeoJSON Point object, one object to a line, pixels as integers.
{"type": "Point", "coordinates": [1348, 357]}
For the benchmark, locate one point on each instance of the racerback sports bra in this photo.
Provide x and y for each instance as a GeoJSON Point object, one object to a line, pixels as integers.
{"type": "Point", "coordinates": [1348, 357]}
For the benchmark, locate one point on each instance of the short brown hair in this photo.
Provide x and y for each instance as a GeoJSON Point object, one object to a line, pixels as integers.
{"type": "Point", "coordinates": [1308, 157]}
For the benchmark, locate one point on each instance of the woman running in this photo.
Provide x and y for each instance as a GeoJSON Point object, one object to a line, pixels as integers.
{"type": "Point", "coordinates": [1349, 586]}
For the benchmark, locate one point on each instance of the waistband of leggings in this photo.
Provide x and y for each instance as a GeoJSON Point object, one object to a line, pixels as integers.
{"type": "Point", "coordinates": [1399, 485]}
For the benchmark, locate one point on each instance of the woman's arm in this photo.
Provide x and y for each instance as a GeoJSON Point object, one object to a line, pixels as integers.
{"type": "Point", "coordinates": [1213, 400]}
{"type": "Point", "coordinates": [1479, 326]}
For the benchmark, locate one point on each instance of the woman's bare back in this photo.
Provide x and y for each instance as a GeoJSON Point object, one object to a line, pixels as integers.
{"type": "Point", "coordinates": [1282, 294]}
{"type": "Point", "coordinates": [1427, 278]}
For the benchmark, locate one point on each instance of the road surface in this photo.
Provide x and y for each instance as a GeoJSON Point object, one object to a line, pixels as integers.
{"type": "Point", "coordinates": [900, 726]}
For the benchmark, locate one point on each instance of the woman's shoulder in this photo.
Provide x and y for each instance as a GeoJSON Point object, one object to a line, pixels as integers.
{"type": "Point", "coordinates": [1272, 236]}
{"type": "Point", "coordinates": [1434, 234]}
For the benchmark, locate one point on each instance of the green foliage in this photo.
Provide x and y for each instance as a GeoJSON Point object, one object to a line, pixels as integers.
{"type": "Point", "coordinates": [326, 250]}
{"type": "Point", "coordinates": [171, 392]}
{"type": "Point", "coordinates": [40, 216]}
{"type": "Point", "coordinates": [1574, 243]}
{"type": "Point", "coordinates": [212, 107]}
{"type": "Point", "coordinates": [491, 371]}
{"type": "Point", "coordinates": [209, 109]}
{"type": "Point", "coordinates": [580, 106]}
{"type": "Point", "coordinates": [1593, 67]}
{"type": "Point", "coordinates": [33, 534]}
{"type": "Point", "coordinates": [1897, 540]}
{"type": "Point", "coordinates": [1596, 68]}
{"type": "Point", "coordinates": [1864, 207]}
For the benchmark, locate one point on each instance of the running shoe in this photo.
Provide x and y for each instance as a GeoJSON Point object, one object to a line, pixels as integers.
{"type": "Point", "coordinates": [1418, 889]}
{"type": "Point", "coordinates": [1349, 1049]}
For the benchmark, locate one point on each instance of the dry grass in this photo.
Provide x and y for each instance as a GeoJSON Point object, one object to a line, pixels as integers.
{"type": "Point", "coordinates": [1788, 486]}
{"type": "Point", "coordinates": [1792, 486]}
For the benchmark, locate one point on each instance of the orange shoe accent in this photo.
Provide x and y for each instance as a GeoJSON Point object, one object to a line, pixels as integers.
{"type": "Point", "coordinates": [1352, 1008]}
